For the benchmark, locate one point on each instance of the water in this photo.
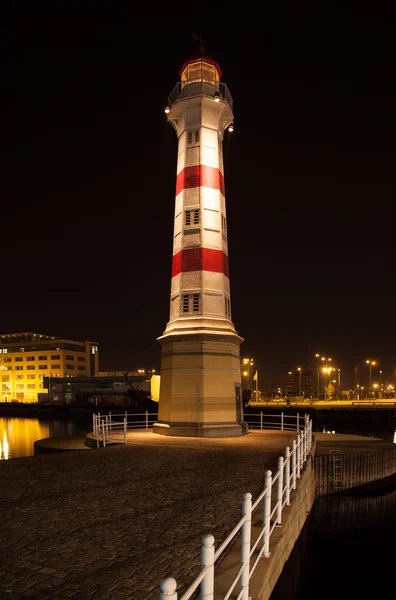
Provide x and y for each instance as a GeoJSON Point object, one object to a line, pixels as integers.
{"type": "Point", "coordinates": [346, 549]}
{"type": "Point", "coordinates": [18, 434]}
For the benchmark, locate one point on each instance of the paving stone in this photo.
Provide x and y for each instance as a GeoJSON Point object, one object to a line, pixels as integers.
{"type": "Point", "coordinates": [112, 522]}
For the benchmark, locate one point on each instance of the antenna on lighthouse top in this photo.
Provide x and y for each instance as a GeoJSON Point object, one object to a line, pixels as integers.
{"type": "Point", "coordinates": [200, 44]}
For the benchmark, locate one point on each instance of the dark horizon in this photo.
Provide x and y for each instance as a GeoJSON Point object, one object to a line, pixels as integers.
{"type": "Point", "coordinates": [89, 167]}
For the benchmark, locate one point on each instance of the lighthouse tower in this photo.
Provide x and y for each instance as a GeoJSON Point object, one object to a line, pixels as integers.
{"type": "Point", "coordinates": [200, 393]}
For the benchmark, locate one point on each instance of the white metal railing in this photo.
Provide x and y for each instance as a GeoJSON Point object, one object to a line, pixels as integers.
{"type": "Point", "coordinates": [274, 497]}
{"type": "Point", "coordinates": [104, 425]}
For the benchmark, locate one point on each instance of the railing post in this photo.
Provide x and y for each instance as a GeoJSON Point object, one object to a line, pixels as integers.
{"type": "Point", "coordinates": [168, 589]}
{"type": "Point", "coordinates": [110, 420]}
{"type": "Point", "coordinates": [294, 452]}
{"type": "Point", "coordinates": [282, 420]}
{"type": "Point", "coordinates": [302, 449]}
{"type": "Point", "coordinates": [93, 423]}
{"type": "Point", "coordinates": [125, 430]}
{"type": "Point", "coordinates": [107, 427]}
{"type": "Point", "coordinates": [287, 474]}
{"type": "Point", "coordinates": [207, 560]}
{"type": "Point", "coordinates": [103, 433]}
{"type": "Point", "coordinates": [298, 448]}
{"type": "Point", "coordinates": [310, 436]}
{"type": "Point", "coordinates": [261, 419]}
{"type": "Point", "coordinates": [146, 419]}
{"type": "Point", "coordinates": [298, 421]}
{"type": "Point", "coordinates": [279, 500]}
{"type": "Point", "coordinates": [97, 431]}
{"type": "Point", "coordinates": [267, 513]}
{"type": "Point", "coordinates": [245, 546]}
{"type": "Point", "coordinates": [305, 443]}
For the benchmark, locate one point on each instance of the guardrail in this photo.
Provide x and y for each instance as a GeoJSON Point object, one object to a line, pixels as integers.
{"type": "Point", "coordinates": [289, 471]}
{"type": "Point", "coordinates": [104, 425]}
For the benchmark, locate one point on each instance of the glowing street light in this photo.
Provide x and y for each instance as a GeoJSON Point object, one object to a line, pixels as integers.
{"type": "Point", "coordinates": [371, 363]}
{"type": "Point", "coordinates": [299, 373]}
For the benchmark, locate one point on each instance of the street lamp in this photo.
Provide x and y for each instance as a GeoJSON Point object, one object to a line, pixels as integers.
{"type": "Point", "coordinates": [371, 363]}
{"type": "Point", "coordinates": [300, 373]}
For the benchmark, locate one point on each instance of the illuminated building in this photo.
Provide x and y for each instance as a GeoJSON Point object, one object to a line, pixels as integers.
{"type": "Point", "coordinates": [26, 358]}
{"type": "Point", "coordinates": [200, 391]}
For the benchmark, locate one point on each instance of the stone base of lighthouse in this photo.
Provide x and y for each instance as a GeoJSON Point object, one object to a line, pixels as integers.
{"type": "Point", "coordinates": [201, 392]}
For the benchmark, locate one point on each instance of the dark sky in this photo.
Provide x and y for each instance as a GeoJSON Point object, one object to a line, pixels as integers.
{"type": "Point", "coordinates": [88, 164]}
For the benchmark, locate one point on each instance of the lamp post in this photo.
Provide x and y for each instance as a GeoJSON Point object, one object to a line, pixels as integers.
{"type": "Point", "coordinates": [299, 381]}
{"type": "Point", "coordinates": [325, 369]}
{"type": "Point", "coordinates": [381, 386]}
{"type": "Point", "coordinates": [371, 363]}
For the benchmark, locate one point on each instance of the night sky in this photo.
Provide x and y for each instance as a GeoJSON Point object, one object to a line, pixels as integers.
{"type": "Point", "coordinates": [88, 169]}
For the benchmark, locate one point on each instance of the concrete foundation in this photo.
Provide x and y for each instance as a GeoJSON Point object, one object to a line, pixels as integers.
{"type": "Point", "coordinates": [201, 393]}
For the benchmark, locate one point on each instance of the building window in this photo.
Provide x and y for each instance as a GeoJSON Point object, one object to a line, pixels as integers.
{"type": "Point", "coordinates": [6, 387]}
{"type": "Point", "coordinates": [55, 356]}
{"type": "Point", "coordinates": [19, 377]}
{"type": "Point", "coordinates": [189, 137]}
{"type": "Point", "coordinates": [20, 386]}
{"type": "Point", "coordinates": [31, 377]}
{"type": "Point", "coordinates": [224, 225]}
{"type": "Point", "coordinates": [192, 217]}
{"type": "Point", "coordinates": [191, 303]}
{"type": "Point", "coordinates": [69, 357]}
{"type": "Point", "coordinates": [55, 366]}
{"type": "Point", "coordinates": [30, 358]}
{"type": "Point", "coordinates": [18, 368]}
{"type": "Point", "coordinates": [30, 367]}
{"type": "Point", "coordinates": [81, 358]}
{"type": "Point", "coordinates": [41, 386]}
{"type": "Point", "coordinates": [69, 366]}
{"type": "Point", "coordinates": [43, 367]}
{"type": "Point", "coordinates": [7, 359]}
{"type": "Point", "coordinates": [3, 350]}
{"type": "Point", "coordinates": [31, 386]}
{"type": "Point", "coordinates": [5, 378]}
{"type": "Point", "coordinates": [19, 359]}
{"type": "Point", "coordinates": [42, 358]}
{"type": "Point", "coordinates": [196, 135]}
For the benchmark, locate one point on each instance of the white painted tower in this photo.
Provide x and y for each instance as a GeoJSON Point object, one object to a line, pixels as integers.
{"type": "Point", "coordinates": [200, 392]}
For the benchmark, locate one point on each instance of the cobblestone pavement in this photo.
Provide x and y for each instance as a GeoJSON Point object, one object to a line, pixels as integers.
{"type": "Point", "coordinates": [112, 522]}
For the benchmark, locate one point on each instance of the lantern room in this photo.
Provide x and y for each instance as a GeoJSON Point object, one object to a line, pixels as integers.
{"type": "Point", "coordinates": [200, 70]}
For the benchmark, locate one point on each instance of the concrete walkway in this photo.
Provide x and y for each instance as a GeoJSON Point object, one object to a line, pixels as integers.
{"type": "Point", "coordinates": [112, 522]}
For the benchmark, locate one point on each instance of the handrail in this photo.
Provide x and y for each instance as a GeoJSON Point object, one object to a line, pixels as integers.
{"type": "Point", "coordinates": [289, 471]}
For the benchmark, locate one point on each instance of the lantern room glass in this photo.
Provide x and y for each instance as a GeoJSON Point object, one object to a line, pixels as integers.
{"type": "Point", "coordinates": [200, 71]}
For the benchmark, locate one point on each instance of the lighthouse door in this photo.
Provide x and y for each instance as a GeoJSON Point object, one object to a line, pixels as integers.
{"type": "Point", "coordinates": [238, 400]}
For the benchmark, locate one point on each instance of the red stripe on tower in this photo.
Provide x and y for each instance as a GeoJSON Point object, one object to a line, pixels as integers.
{"type": "Point", "coordinates": [200, 175]}
{"type": "Point", "coordinates": [200, 259]}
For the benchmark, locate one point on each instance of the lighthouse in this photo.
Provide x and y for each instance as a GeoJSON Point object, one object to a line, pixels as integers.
{"type": "Point", "coordinates": [200, 392]}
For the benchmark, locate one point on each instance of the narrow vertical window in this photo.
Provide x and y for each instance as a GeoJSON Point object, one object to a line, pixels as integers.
{"type": "Point", "coordinates": [191, 303]}
{"type": "Point", "coordinates": [189, 137]}
{"type": "Point", "coordinates": [197, 137]}
{"type": "Point", "coordinates": [224, 225]}
{"type": "Point", "coordinates": [192, 217]}
{"type": "Point", "coordinates": [227, 306]}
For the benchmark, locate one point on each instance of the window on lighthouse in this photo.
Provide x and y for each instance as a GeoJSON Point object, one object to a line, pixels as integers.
{"type": "Point", "coordinates": [191, 303]}
{"type": "Point", "coordinates": [192, 217]}
{"type": "Point", "coordinates": [227, 306]}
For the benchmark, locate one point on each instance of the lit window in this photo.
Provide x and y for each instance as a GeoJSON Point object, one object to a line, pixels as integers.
{"type": "Point", "coordinates": [19, 377]}
{"type": "Point", "coordinates": [43, 367]}
{"type": "Point", "coordinates": [18, 368]}
{"type": "Point", "coordinates": [31, 377]}
{"type": "Point", "coordinates": [30, 368]}
{"type": "Point", "coordinates": [31, 386]}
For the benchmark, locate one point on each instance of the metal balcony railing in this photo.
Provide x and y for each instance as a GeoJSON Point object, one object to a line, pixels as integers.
{"type": "Point", "coordinates": [199, 88]}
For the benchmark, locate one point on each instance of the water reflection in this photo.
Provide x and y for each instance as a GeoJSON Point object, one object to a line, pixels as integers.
{"type": "Point", "coordinates": [348, 537]}
{"type": "Point", "coordinates": [17, 436]}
